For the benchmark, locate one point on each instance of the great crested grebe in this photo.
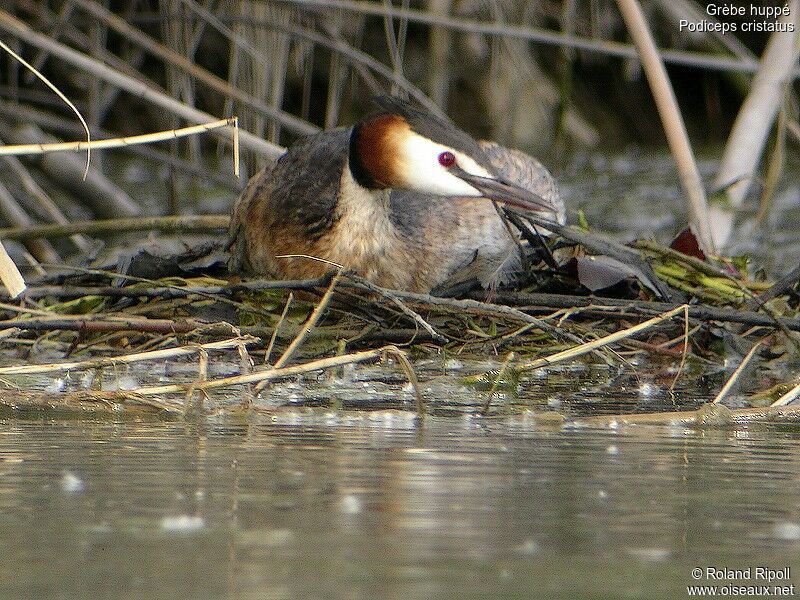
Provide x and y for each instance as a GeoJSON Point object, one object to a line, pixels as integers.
{"type": "Point", "coordinates": [402, 199]}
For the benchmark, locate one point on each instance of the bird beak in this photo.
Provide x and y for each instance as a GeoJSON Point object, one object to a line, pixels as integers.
{"type": "Point", "coordinates": [502, 190]}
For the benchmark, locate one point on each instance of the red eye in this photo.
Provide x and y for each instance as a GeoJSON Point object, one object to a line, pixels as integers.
{"type": "Point", "coordinates": [447, 159]}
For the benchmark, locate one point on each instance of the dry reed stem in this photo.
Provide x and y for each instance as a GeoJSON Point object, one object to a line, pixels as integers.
{"type": "Point", "coordinates": [126, 359]}
{"type": "Point", "coordinates": [310, 323]}
{"type": "Point", "coordinates": [58, 93]}
{"type": "Point", "coordinates": [273, 338]}
{"type": "Point", "coordinates": [408, 368]}
{"type": "Point", "coordinates": [14, 26]}
{"type": "Point", "coordinates": [44, 201]}
{"type": "Point", "coordinates": [533, 34]}
{"type": "Point", "coordinates": [496, 382]}
{"type": "Point", "coordinates": [755, 119]}
{"type": "Point", "coordinates": [118, 142]}
{"type": "Point", "coordinates": [600, 342]}
{"type": "Point", "coordinates": [267, 374]}
{"type": "Point", "coordinates": [735, 375]}
{"type": "Point", "coordinates": [685, 352]}
{"type": "Point", "coordinates": [674, 127]}
{"type": "Point", "coordinates": [9, 274]}
{"type": "Point", "coordinates": [788, 397]}
{"type": "Point", "coordinates": [175, 59]}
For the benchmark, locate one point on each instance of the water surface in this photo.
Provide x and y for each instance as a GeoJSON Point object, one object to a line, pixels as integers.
{"type": "Point", "coordinates": [351, 504]}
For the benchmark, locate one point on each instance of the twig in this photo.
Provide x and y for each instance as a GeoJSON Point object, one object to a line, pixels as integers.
{"type": "Point", "coordinates": [685, 352]}
{"type": "Point", "coordinates": [788, 397]}
{"type": "Point", "coordinates": [600, 342]}
{"type": "Point", "coordinates": [601, 244]}
{"type": "Point", "coordinates": [392, 296]}
{"type": "Point", "coordinates": [25, 114]}
{"type": "Point", "coordinates": [496, 382]}
{"type": "Point", "coordinates": [266, 374]}
{"type": "Point", "coordinates": [83, 323]}
{"type": "Point", "coordinates": [127, 358]}
{"type": "Point", "coordinates": [119, 142]}
{"type": "Point", "coordinates": [612, 307]}
{"type": "Point", "coordinates": [274, 337]}
{"type": "Point", "coordinates": [735, 375]}
{"type": "Point", "coordinates": [408, 368]}
{"type": "Point", "coordinates": [173, 224]}
{"type": "Point", "coordinates": [312, 320]}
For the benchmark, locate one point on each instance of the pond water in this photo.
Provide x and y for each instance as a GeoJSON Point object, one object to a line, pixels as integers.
{"type": "Point", "coordinates": [332, 504]}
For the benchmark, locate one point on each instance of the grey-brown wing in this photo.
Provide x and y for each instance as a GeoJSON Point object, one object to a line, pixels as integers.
{"type": "Point", "coordinates": [298, 193]}
{"type": "Point", "coordinates": [304, 185]}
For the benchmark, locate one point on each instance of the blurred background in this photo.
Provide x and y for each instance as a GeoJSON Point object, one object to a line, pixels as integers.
{"type": "Point", "coordinates": [558, 79]}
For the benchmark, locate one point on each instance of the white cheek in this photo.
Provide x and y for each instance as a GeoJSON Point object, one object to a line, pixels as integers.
{"type": "Point", "coordinates": [423, 173]}
{"type": "Point", "coordinates": [471, 167]}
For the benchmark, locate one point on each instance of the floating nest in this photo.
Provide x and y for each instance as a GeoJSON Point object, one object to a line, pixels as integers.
{"type": "Point", "coordinates": [649, 301]}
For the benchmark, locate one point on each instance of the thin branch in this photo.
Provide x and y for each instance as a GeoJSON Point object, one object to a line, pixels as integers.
{"type": "Point", "coordinates": [600, 342]}
{"type": "Point", "coordinates": [126, 358]}
{"type": "Point", "coordinates": [736, 374]}
{"type": "Point", "coordinates": [83, 61]}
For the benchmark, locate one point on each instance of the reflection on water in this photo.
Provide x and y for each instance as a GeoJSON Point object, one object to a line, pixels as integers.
{"type": "Point", "coordinates": [323, 504]}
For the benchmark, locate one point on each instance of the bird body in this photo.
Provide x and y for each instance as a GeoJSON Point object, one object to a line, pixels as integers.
{"type": "Point", "coordinates": [374, 199]}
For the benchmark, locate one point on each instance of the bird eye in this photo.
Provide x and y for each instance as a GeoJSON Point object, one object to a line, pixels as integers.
{"type": "Point", "coordinates": [447, 159]}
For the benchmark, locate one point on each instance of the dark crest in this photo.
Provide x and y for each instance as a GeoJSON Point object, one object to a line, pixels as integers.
{"type": "Point", "coordinates": [421, 121]}
{"type": "Point", "coordinates": [434, 127]}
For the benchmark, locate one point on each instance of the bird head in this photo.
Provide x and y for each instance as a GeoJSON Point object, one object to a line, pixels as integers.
{"type": "Point", "coordinates": [405, 147]}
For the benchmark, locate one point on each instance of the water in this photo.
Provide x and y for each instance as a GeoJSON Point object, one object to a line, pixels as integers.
{"type": "Point", "coordinates": [349, 504]}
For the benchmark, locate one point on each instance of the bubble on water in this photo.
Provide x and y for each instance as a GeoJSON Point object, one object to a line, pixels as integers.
{"type": "Point", "coordinates": [57, 385]}
{"type": "Point", "coordinates": [351, 504]}
{"type": "Point", "coordinates": [71, 483]}
{"type": "Point", "coordinates": [181, 523]}
{"type": "Point", "coordinates": [650, 554]}
{"type": "Point", "coordinates": [786, 530]}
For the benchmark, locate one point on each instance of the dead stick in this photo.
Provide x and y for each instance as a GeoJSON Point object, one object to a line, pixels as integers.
{"type": "Point", "coordinates": [105, 226]}
{"type": "Point", "coordinates": [127, 358]}
{"type": "Point", "coordinates": [97, 325]}
{"type": "Point", "coordinates": [312, 320]}
{"type": "Point", "coordinates": [599, 342]}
